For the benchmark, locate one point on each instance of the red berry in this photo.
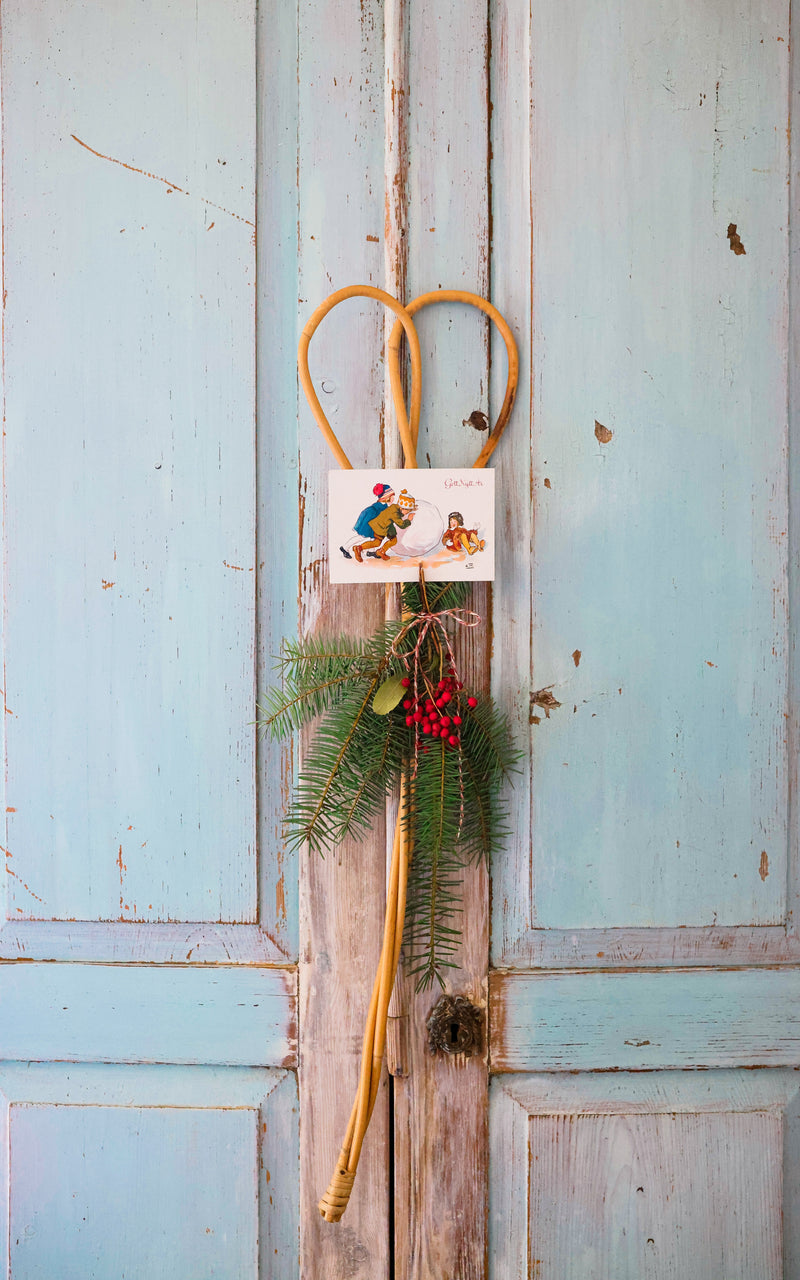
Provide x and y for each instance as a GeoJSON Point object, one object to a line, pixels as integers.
{"type": "Point", "coordinates": [445, 721]}
{"type": "Point", "coordinates": [426, 728]}
{"type": "Point", "coordinates": [446, 697]}
{"type": "Point", "coordinates": [417, 717]}
{"type": "Point", "coordinates": [456, 719]}
{"type": "Point", "coordinates": [440, 702]}
{"type": "Point", "coordinates": [409, 720]}
{"type": "Point", "coordinates": [453, 740]}
{"type": "Point", "coordinates": [405, 682]}
{"type": "Point", "coordinates": [472, 702]}
{"type": "Point", "coordinates": [407, 703]}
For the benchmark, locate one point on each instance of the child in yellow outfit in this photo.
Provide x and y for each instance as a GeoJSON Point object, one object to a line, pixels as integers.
{"type": "Point", "coordinates": [396, 515]}
{"type": "Point", "coordinates": [457, 538]}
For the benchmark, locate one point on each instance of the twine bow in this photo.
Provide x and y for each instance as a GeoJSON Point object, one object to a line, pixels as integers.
{"type": "Point", "coordinates": [336, 1198]}
{"type": "Point", "coordinates": [427, 621]}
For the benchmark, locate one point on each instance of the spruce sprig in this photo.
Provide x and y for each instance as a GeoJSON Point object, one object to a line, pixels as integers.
{"type": "Point", "coordinates": [455, 812]}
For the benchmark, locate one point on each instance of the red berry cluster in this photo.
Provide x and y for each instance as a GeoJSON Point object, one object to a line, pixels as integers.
{"type": "Point", "coordinates": [430, 710]}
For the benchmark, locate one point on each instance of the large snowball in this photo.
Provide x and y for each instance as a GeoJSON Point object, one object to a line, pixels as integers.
{"type": "Point", "coordinates": [423, 535]}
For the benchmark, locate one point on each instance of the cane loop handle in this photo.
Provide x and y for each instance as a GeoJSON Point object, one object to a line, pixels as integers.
{"type": "Point", "coordinates": [408, 424]}
{"type": "Point", "coordinates": [473, 300]}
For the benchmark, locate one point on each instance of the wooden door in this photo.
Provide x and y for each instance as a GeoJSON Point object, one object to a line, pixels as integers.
{"type": "Point", "coordinates": [618, 177]}
{"type": "Point", "coordinates": [643, 999]}
{"type": "Point", "coordinates": [147, 1005]}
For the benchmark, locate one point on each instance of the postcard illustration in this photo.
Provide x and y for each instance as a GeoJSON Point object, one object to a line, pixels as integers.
{"type": "Point", "coordinates": [382, 525]}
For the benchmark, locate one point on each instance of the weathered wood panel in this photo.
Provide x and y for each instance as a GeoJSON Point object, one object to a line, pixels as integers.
{"type": "Point", "coordinates": [644, 1021]}
{"type": "Point", "coordinates": [341, 222]}
{"type": "Point", "coordinates": [198, 943]}
{"type": "Point", "coordinates": [660, 783]}
{"type": "Point", "coordinates": [440, 1174]}
{"type": "Point", "coordinates": [511, 269]}
{"type": "Point", "coordinates": [656, 1196]}
{"type": "Point", "coordinates": [89, 1200]}
{"type": "Point", "coordinates": [646, 1175]}
{"type": "Point", "coordinates": [236, 1015]}
{"type": "Point", "coordinates": [277, 444]}
{"type": "Point", "coordinates": [129, 261]}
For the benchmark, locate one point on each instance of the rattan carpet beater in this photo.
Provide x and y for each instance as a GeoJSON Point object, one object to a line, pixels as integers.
{"type": "Point", "coordinates": [396, 704]}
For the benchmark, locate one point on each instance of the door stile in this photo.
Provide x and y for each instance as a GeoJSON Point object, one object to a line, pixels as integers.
{"type": "Point", "coordinates": [340, 72]}
{"type": "Point", "coordinates": [437, 113]}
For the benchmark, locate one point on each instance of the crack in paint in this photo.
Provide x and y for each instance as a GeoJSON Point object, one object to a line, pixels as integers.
{"type": "Point", "coordinates": [8, 855]}
{"type": "Point", "coordinates": [172, 186]}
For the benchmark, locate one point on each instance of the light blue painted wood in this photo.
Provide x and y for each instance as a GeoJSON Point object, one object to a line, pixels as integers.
{"type": "Point", "coordinates": [135, 943]}
{"type": "Point", "coordinates": [101, 1191]}
{"type": "Point", "coordinates": [645, 1150]}
{"type": "Point", "coordinates": [123, 1085]}
{"type": "Point", "coordinates": [266, 1099]}
{"type": "Point", "coordinates": [277, 455]}
{"type": "Point", "coordinates": [660, 555]}
{"type": "Point", "coordinates": [645, 1020]}
{"type": "Point", "coordinates": [448, 219]}
{"type": "Point", "coordinates": [511, 269]}
{"type": "Point", "coordinates": [235, 1015]}
{"type": "Point", "coordinates": [129, 333]}
{"type": "Point", "coordinates": [279, 1179]}
{"type": "Point", "coordinates": [130, 275]}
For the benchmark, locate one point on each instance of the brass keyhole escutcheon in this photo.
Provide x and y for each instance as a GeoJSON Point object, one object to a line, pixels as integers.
{"type": "Point", "coordinates": [455, 1025]}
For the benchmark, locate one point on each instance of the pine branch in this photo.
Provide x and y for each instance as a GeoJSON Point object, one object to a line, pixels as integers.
{"type": "Point", "coordinates": [351, 819]}
{"type": "Point", "coordinates": [342, 761]}
{"type": "Point", "coordinates": [289, 709]}
{"type": "Point", "coordinates": [435, 873]}
{"type": "Point", "coordinates": [454, 811]}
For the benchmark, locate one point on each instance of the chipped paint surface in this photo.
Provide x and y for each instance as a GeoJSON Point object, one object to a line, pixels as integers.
{"type": "Point", "coordinates": [652, 340]}
{"type": "Point", "coordinates": [144, 680]}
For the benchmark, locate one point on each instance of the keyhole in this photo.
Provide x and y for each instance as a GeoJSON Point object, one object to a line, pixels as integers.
{"type": "Point", "coordinates": [454, 1026]}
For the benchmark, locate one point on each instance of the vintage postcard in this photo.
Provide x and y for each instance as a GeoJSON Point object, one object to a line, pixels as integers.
{"type": "Point", "coordinates": [382, 525]}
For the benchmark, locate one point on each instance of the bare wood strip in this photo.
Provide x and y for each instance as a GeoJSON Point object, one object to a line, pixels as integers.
{"type": "Point", "coordinates": [651, 948]}
{"type": "Point", "coordinates": [441, 1158]}
{"type": "Point", "coordinates": [340, 79]}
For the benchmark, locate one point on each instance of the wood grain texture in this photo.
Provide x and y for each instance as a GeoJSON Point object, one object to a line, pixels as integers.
{"type": "Point", "coordinates": [793, 408]}
{"type": "Point", "coordinates": [139, 943]}
{"type": "Point", "coordinates": [120, 1013]}
{"type": "Point", "coordinates": [341, 220]}
{"type": "Point", "coordinates": [655, 806]}
{"type": "Point", "coordinates": [441, 1103]}
{"type": "Point", "coordinates": [129, 400]}
{"type": "Point", "coordinates": [644, 1021]}
{"type": "Point", "coordinates": [655, 1196]}
{"type": "Point", "coordinates": [657, 1175]}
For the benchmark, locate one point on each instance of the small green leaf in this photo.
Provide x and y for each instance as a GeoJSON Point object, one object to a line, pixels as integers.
{"type": "Point", "coordinates": [388, 695]}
